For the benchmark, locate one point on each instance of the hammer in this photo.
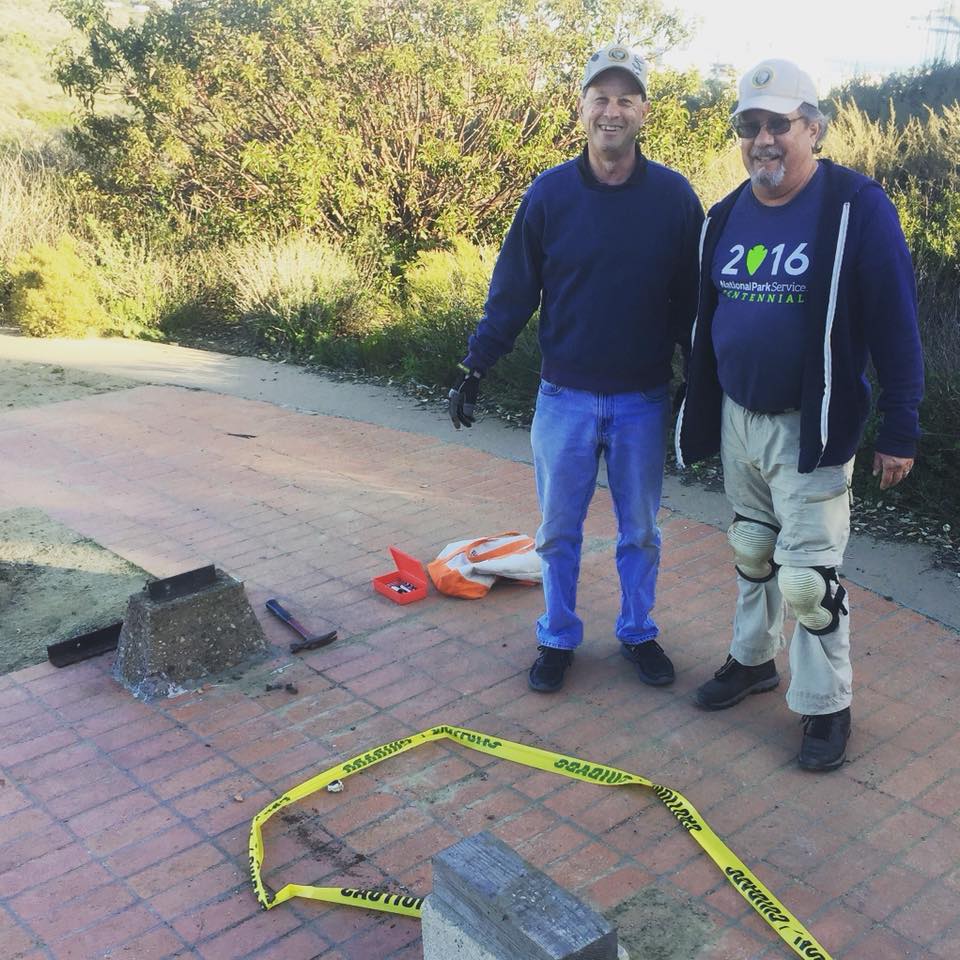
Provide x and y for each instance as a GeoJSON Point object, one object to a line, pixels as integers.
{"type": "Point", "coordinates": [309, 642]}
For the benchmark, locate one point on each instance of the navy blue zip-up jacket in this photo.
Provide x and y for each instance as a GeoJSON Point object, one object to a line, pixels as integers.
{"type": "Point", "coordinates": [866, 305]}
{"type": "Point", "coordinates": [613, 270]}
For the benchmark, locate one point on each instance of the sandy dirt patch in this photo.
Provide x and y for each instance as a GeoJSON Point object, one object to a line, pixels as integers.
{"type": "Point", "coordinates": [54, 583]}
{"type": "Point", "coordinates": [655, 924]}
{"type": "Point", "coordinates": [33, 384]}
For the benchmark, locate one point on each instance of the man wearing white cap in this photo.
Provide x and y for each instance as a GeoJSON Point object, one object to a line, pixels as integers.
{"type": "Point", "coordinates": [605, 245]}
{"type": "Point", "coordinates": [805, 274]}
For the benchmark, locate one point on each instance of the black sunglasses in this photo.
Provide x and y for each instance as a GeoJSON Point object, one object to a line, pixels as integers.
{"type": "Point", "coordinates": [775, 126]}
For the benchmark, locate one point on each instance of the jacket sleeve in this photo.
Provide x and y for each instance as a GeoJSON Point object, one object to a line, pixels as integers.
{"type": "Point", "coordinates": [888, 293]}
{"type": "Point", "coordinates": [685, 283]}
{"type": "Point", "coordinates": [515, 288]}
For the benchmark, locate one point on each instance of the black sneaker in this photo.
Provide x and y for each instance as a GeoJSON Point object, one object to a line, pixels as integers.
{"type": "Point", "coordinates": [734, 681]}
{"type": "Point", "coordinates": [653, 665]}
{"type": "Point", "coordinates": [824, 745]}
{"type": "Point", "coordinates": [546, 674]}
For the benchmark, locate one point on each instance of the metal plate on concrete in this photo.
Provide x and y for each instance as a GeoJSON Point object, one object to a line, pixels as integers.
{"type": "Point", "coordinates": [182, 584]}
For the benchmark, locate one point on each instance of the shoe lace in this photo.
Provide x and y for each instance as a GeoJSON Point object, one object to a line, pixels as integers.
{"type": "Point", "coordinates": [549, 653]}
{"type": "Point", "coordinates": [729, 666]}
{"type": "Point", "coordinates": [818, 727]}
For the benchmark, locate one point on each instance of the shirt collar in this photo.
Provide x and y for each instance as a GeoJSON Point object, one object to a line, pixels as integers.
{"type": "Point", "coordinates": [639, 169]}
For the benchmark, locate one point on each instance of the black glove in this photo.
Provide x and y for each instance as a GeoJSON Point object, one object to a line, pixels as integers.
{"type": "Point", "coordinates": [462, 397]}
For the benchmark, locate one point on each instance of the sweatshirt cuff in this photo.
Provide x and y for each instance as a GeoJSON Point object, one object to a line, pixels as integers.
{"type": "Point", "coordinates": [896, 446]}
{"type": "Point", "coordinates": [472, 362]}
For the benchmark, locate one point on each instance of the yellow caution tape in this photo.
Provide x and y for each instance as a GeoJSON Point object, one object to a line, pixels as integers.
{"type": "Point", "coordinates": [791, 931]}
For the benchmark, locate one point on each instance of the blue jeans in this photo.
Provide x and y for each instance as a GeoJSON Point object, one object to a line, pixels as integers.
{"type": "Point", "coordinates": [571, 428]}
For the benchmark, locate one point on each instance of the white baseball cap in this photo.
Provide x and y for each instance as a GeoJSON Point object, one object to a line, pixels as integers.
{"type": "Point", "coordinates": [776, 85]}
{"type": "Point", "coordinates": [616, 56]}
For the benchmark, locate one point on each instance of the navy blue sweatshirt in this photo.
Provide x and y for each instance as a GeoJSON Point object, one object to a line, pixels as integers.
{"type": "Point", "coordinates": [866, 305]}
{"type": "Point", "coordinates": [613, 270]}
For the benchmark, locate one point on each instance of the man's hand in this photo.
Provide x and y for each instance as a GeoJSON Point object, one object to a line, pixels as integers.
{"type": "Point", "coordinates": [890, 469]}
{"type": "Point", "coordinates": [462, 397]}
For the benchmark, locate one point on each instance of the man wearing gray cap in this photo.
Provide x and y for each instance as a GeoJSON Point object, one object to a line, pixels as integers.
{"type": "Point", "coordinates": [606, 246]}
{"type": "Point", "coordinates": [805, 274]}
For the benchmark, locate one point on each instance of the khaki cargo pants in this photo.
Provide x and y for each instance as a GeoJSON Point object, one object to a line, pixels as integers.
{"type": "Point", "coordinates": [812, 510]}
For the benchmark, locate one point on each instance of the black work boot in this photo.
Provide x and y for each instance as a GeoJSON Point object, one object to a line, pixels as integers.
{"type": "Point", "coordinates": [652, 664]}
{"type": "Point", "coordinates": [824, 744]}
{"type": "Point", "coordinates": [734, 681]}
{"type": "Point", "coordinates": [546, 674]}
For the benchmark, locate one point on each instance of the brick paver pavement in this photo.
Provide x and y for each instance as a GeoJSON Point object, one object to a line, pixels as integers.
{"type": "Point", "coordinates": [123, 825]}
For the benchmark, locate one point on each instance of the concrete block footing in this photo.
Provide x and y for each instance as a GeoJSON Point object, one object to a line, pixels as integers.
{"type": "Point", "coordinates": [488, 903]}
{"type": "Point", "coordinates": [166, 646]}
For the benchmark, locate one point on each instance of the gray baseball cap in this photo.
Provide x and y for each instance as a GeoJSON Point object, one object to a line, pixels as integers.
{"type": "Point", "coordinates": [779, 86]}
{"type": "Point", "coordinates": [616, 56]}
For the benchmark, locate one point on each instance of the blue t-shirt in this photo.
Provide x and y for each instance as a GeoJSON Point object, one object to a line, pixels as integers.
{"type": "Point", "coordinates": [762, 271]}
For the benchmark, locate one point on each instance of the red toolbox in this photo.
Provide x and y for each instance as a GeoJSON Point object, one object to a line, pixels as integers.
{"type": "Point", "coordinates": [405, 584]}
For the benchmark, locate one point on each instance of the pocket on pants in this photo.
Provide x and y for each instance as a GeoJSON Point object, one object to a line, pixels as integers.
{"type": "Point", "coordinates": [549, 389]}
{"type": "Point", "coordinates": [838, 484]}
{"type": "Point", "coordinates": [826, 495]}
{"type": "Point", "coordinates": [656, 394]}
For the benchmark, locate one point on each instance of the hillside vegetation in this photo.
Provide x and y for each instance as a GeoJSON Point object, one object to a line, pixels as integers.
{"type": "Point", "coordinates": [901, 96]}
{"type": "Point", "coordinates": [330, 180]}
{"type": "Point", "coordinates": [33, 106]}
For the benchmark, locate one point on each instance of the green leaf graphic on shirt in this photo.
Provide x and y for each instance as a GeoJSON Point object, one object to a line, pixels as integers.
{"type": "Point", "coordinates": [755, 256]}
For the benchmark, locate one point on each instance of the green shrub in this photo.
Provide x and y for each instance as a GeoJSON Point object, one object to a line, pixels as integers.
{"type": "Point", "coordinates": [140, 286]}
{"type": "Point", "coordinates": [445, 291]}
{"type": "Point", "coordinates": [425, 120]}
{"type": "Point", "coordinates": [55, 293]}
{"type": "Point", "coordinates": [305, 296]}
{"type": "Point", "coordinates": [688, 128]}
{"type": "Point", "coordinates": [858, 140]}
{"type": "Point", "coordinates": [6, 288]}
{"type": "Point", "coordinates": [918, 163]}
{"type": "Point", "coordinates": [34, 207]}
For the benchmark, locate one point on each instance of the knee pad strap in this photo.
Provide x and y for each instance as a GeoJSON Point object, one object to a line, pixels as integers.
{"type": "Point", "coordinates": [753, 543]}
{"type": "Point", "coordinates": [815, 603]}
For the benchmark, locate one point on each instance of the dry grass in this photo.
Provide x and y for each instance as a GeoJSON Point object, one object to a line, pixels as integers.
{"type": "Point", "coordinates": [33, 204]}
{"type": "Point", "coordinates": [720, 176]}
{"type": "Point", "coordinates": [299, 289]}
